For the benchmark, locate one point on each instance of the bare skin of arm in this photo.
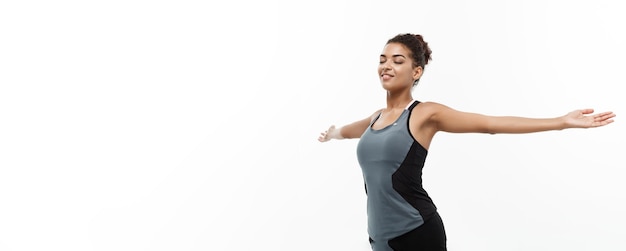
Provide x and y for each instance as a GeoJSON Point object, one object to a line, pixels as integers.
{"type": "Point", "coordinates": [350, 131]}
{"type": "Point", "coordinates": [450, 120]}
{"type": "Point", "coordinates": [429, 117]}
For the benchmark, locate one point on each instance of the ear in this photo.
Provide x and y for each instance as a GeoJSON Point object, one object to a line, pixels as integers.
{"type": "Point", "coordinates": [417, 72]}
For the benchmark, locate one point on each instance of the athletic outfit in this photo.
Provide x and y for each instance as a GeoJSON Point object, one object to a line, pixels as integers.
{"type": "Point", "coordinates": [401, 215]}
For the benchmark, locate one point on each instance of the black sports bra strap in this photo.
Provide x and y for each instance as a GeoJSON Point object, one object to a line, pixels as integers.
{"type": "Point", "coordinates": [415, 102]}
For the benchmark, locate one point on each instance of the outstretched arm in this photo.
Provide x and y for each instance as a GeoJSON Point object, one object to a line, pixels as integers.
{"type": "Point", "coordinates": [450, 120]}
{"type": "Point", "coordinates": [349, 131]}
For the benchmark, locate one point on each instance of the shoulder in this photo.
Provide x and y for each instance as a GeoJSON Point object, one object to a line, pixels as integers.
{"type": "Point", "coordinates": [375, 114]}
{"type": "Point", "coordinates": [432, 111]}
{"type": "Point", "coordinates": [429, 107]}
{"type": "Point", "coordinates": [432, 104]}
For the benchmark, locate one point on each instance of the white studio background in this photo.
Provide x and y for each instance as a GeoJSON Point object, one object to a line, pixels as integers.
{"type": "Point", "coordinates": [192, 125]}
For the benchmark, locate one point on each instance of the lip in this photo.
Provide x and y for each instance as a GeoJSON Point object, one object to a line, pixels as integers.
{"type": "Point", "coordinates": [386, 76]}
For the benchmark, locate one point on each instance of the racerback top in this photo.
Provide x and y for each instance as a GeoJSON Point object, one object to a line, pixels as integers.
{"type": "Point", "coordinates": [391, 161]}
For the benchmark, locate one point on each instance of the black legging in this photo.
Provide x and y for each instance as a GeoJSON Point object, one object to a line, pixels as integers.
{"type": "Point", "coordinates": [430, 236]}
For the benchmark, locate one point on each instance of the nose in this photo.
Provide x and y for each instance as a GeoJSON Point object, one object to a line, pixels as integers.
{"type": "Point", "coordinates": [385, 66]}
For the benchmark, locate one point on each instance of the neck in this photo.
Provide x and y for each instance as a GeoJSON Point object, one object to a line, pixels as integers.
{"type": "Point", "coordinates": [398, 101]}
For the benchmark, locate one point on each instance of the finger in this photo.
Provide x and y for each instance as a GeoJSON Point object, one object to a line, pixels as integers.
{"type": "Point", "coordinates": [603, 116]}
{"type": "Point", "coordinates": [586, 111]}
{"type": "Point", "coordinates": [606, 115]}
{"type": "Point", "coordinates": [601, 123]}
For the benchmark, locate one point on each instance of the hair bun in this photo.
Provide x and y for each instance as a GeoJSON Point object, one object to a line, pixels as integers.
{"type": "Point", "coordinates": [424, 46]}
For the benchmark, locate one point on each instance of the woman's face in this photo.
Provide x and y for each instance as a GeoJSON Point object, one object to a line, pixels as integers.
{"type": "Point", "coordinates": [396, 69]}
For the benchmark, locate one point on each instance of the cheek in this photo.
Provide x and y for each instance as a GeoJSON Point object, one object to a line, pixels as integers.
{"type": "Point", "coordinates": [408, 71]}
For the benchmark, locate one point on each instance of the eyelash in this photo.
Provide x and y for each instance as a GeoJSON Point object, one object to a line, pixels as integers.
{"type": "Point", "coordinates": [381, 62]}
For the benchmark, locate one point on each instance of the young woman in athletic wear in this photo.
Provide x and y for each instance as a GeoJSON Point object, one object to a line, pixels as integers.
{"type": "Point", "coordinates": [394, 143]}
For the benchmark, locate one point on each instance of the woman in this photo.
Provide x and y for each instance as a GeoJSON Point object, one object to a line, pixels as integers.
{"type": "Point", "coordinates": [394, 143]}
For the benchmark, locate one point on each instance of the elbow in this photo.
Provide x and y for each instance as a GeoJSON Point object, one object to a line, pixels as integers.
{"type": "Point", "coordinates": [489, 128]}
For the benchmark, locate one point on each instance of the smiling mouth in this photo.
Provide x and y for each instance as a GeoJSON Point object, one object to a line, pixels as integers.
{"type": "Point", "coordinates": [386, 76]}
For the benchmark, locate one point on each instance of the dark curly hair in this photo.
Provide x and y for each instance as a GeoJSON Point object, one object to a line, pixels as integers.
{"type": "Point", "coordinates": [420, 52]}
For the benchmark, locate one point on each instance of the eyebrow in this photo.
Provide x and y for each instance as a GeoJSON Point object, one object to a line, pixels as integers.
{"type": "Point", "coordinates": [393, 56]}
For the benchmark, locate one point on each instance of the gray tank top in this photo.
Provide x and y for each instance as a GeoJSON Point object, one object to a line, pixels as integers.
{"type": "Point", "coordinates": [391, 161]}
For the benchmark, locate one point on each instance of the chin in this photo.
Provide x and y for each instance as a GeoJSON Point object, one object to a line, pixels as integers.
{"type": "Point", "coordinates": [388, 86]}
{"type": "Point", "coordinates": [394, 87]}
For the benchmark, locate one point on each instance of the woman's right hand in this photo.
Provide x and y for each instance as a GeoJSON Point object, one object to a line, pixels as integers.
{"type": "Point", "coordinates": [327, 135]}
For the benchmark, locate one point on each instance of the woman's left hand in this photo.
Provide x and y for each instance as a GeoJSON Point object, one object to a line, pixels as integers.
{"type": "Point", "coordinates": [582, 119]}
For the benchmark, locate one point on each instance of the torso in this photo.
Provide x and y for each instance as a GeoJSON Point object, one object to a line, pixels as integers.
{"type": "Point", "coordinates": [392, 160]}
